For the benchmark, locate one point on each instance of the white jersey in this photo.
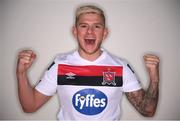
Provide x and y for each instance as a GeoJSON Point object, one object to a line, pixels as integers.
{"type": "Point", "coordinates": [88, 90]}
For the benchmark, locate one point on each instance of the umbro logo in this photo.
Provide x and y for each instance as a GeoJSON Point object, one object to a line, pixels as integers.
{"type": "Point", "coordinates": [70, 75]}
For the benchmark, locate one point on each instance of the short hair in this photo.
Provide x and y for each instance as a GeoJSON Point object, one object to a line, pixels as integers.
{"type": "Point", "coordinates": [89, 9]}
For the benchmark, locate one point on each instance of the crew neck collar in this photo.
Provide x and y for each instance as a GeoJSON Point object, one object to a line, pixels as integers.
{"type": "Point", "coordinates": [90, 62]}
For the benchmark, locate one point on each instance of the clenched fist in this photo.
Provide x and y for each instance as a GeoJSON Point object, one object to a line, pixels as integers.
{"type": "Point", "coordinates": [25, 60]}
{"type": "Point", "coordinates": [152, 65]}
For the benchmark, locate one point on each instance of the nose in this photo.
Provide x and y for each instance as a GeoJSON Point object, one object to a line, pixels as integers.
{"type": "Point", "coordinates": [90, 30]}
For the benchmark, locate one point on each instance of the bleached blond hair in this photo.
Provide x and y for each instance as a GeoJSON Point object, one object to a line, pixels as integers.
{"type": "Point", "coordinates": [86, 9]}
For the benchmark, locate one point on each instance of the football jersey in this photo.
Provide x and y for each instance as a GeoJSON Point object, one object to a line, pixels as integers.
{"type": "Point", "coordinates": [88, 90]}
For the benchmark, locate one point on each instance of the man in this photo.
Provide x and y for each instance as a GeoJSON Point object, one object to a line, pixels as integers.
{"type": "Point", "coordinates": [89, 81]}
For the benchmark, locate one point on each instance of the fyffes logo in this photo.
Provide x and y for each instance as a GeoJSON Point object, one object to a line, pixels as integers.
{"type": "Point", "coordinates": [89, 101]}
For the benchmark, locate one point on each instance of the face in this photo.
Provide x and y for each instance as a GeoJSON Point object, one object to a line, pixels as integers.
{"type": "Point", "coordinates": [90, 31]}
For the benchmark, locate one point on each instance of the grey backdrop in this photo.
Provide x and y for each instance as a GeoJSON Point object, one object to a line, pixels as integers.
{"type": "Point", "coordinates": [136, 27]}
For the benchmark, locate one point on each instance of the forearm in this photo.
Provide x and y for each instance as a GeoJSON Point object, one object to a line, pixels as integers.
{"type": "Point", "coordinates": [150, 100]}
{"type": "Point", "coordinates": [145, 102]}
{"type": "Point", "coordinates": [25, 92]}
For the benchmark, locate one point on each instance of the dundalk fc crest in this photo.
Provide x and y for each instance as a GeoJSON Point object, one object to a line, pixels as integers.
{"type": "Point", "coordinates": [109, 78]}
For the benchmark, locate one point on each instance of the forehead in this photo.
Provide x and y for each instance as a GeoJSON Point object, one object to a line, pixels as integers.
{"type": "Point", "coordinates": [90, 17]}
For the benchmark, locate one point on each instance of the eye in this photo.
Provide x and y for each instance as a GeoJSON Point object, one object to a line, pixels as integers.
{"type": "Point", "coordinates": [83, 26]}
{"type": "Point", "coordinates": [98, 26]}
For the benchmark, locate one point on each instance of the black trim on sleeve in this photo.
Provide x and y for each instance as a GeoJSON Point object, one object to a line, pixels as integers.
{"type": "Point", "coordinates": [130, 68]}
{"type": "Point", "coordinates": [51, 65]}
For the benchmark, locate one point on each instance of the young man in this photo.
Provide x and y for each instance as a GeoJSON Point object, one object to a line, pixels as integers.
{"type": "Point", "coordinates": [89, 81]}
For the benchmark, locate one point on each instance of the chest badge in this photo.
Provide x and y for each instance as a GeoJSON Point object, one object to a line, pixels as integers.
{"type": "Point", "coordinates": [109, 78]}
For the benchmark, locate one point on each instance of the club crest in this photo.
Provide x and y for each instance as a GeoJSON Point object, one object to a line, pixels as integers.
{"type": "Point", "coordinates": [109, 78]}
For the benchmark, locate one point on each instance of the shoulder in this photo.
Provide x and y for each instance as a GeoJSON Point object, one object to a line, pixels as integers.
{"type": "Point", "coordinates": [63, 57]}
{"type": "Point", "coordinates": [116, 59]}
{"type": "Point", "coordinates": [120, 61]}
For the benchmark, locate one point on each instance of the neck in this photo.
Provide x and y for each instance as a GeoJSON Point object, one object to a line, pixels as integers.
{"type": "Point", "coordinates": [90, 56]}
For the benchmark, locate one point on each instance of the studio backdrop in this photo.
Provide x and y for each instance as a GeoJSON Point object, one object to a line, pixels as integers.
{"type": "Point", "coordinates": [136, 27]}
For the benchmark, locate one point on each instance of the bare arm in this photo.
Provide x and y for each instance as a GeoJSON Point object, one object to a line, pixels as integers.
{"type": "Point", "coordinates": [145, 102]}
{"type": "Point", "coordinates": [30, 98]}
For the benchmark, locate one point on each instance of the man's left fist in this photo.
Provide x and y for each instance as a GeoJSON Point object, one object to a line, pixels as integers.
{"type": "Point", "coordinates": [152, 65]}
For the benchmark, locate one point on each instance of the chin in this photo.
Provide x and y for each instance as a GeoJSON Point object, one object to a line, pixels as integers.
{"type": "Point", "coordinates": [91, 52]}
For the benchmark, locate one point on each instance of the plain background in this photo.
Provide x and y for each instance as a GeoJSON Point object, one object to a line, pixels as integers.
{"type": "Point", "coordinates": [136, 27]}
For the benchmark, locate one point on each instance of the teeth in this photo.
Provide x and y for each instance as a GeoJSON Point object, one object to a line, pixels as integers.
{"type": "Point", "coordinates": [90, 39]}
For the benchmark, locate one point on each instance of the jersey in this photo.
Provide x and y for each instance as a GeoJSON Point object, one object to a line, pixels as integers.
{"type": "Point", "coordinates": [88, 90]}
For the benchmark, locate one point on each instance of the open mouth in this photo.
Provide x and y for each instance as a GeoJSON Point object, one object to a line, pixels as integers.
{"type": "Point", "coordinates": [90, 41]}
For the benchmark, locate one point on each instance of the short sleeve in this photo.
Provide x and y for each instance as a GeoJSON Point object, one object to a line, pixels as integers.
{"type": "Point", "coordinates": [48, 83]}
{"type": "Point", "coordinates": [130, 81]}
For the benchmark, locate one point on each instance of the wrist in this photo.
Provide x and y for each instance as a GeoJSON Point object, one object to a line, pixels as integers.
{"type": "Point", "coordinates": [21, 74]}
{"type": "Point", "coordinates": [154, 79]}
{"type": "Point", "coordinates": [154, 83]}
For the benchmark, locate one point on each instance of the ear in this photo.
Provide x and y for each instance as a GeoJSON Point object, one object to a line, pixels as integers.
{"type": "Point", "coordinates": [105, 34]}
{"type": "Point", "coordinates": [74, 31]}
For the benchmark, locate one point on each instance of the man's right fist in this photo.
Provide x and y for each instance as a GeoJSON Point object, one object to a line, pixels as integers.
{"type": "Point", "coordinates": [25, 60]}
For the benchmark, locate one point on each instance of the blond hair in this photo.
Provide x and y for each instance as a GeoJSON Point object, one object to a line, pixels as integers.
{"type": "Point", "coordinates": [86, 9]}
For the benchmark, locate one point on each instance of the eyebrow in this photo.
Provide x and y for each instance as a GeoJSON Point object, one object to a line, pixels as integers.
{"type": "Point", "coordinates": [94, 23]}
